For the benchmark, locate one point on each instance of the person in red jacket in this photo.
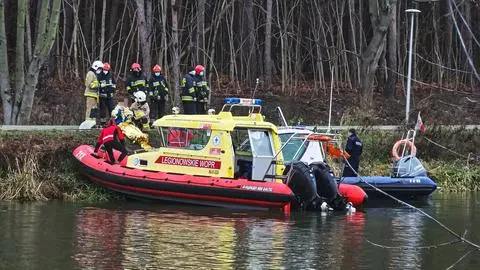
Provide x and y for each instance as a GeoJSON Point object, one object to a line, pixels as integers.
{"type": "Point", "coordinates": [112, 138]}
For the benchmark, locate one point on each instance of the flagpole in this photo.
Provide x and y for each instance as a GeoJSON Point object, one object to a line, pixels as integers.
{"type": "Point", "coordinates": [410, 52]}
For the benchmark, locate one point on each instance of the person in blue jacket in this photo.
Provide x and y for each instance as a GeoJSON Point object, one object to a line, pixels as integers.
{"type": "Point", "coordinates": [354, 149]}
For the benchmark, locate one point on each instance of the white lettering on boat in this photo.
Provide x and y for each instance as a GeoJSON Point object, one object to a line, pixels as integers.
{"type": "Point", "coordinates": [257, 188]}
{"type": "Point", "coordinates": [80, 155]}
{"type": "Point", "coordinates": [189, 162]}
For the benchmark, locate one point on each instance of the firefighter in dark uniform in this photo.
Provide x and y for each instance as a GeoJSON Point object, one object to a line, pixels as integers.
{"type": "Point", "coordinates": [354, 148]}
{"type": "Point", "coordinates": [188, 95]}
{"type": "Point", "coordinates": [158, 93]}
{"type": "Point", "coordinates": [201, 90]}
{"type": "Point", "coordinates": [136, 81]}
{"type": "Point", "coordinates": [107, 91]}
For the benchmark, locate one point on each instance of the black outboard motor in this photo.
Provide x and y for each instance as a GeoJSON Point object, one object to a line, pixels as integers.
{"type": "Point", "coordinates": [408, 166]}
{"type": "Point", "coordinates": [302, 183]}
{"type": "Point", "coordinates": [327, 187]}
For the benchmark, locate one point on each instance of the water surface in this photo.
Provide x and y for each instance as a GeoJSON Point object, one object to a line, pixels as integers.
{"type": "Point", "coordinates": [132, 235]}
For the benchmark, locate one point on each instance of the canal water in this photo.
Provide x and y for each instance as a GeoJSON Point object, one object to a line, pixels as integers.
{"type": "Point", "coordinates": [132, 235]}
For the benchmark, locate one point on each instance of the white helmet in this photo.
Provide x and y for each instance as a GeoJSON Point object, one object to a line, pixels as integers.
{"type": "Point", "coordinates": [140, 96]}
{"type": "Point", "coordinates": [211, 111]}
{"type": "Point", "coordinates": [175, 110]}
{"type": "Point", "coordinates": [97, 64]}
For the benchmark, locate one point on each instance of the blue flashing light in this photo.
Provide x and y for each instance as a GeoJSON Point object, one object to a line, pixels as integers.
{"type": "Point", "coordinates": [299, 127]}
{"type": "Point", "coordinates": [243, 101]}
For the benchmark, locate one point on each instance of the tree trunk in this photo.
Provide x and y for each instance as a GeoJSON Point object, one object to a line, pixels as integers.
{"type": "Point", "coordinates": [102, 30]}
{"type": "Point", "coordinates": [268, 43]}
{"type": "Point", "coordinates": [251, 69]}
{"type": "Point", "coordinates": [389, 91]}
{"type": "Point", "coordinates": [145, 33]}
{"type": "Point", "coordinates": [200, 36]}
{"type": "Point", "coordinates": [5, 90]}
{"type": "Point", "coordinates": [20, 55]}
{"type": "Point", "coordinates": [175, 51]}
{"type": "Point", "coordinates": [44, 43]}
{"type": "Point", "coordinates": [381, 15]}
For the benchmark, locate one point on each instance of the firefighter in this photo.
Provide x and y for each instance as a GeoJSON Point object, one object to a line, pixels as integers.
{"type": "Point", "coordinates": [354, 149]}
{"type": "Point", "coordinates": [201, 90]}
{"type": "Point", "coordinates": [112, 138]}
{"type": "Point", "coordinates": [158, 93]}
{"type": "Point", "coordinates": [107, 92]}
{"type": "Point", "coordinates": [91, 90]}
{"type": "Point", "coordinates": [188, 95]}
{"type": "Point", "coordinates": [141, 111]}
{"type": "Point", "coordinates": [136, 81]}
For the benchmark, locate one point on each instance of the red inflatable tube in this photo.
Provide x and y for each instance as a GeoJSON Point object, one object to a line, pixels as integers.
{"type": "Point", "coordinates": [354, 194]}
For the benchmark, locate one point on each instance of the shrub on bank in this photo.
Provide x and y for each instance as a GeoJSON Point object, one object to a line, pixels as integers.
{"type": "Point", "coordinates": [38, 165]}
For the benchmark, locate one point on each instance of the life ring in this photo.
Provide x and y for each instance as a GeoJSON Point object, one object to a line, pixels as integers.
{"type": "Point", "coordinates": [413, 149]}
{"type": "Point", "coordinates": [322, 138]}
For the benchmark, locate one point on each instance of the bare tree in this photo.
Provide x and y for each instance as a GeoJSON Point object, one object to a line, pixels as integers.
{"type": "Point", "coordinates": [200, 35]}
{"type": "Point", "coordinates": [389, 90]}
{"type": "Point", "coordinates": [268, 43]}
{"type": "Point", "coordinates": [380, 15]}
{"type": "Point", "coordinates": [145, 21]}
{"type": "Point", "coordinates": [175, 51]}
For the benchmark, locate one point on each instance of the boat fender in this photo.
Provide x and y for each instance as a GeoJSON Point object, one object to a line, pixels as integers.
{"type": "Point", "coordinates": [413, 149]}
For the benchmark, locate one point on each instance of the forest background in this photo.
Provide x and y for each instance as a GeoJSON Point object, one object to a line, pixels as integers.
{"type": "Point", "coordinates": [297, 48]}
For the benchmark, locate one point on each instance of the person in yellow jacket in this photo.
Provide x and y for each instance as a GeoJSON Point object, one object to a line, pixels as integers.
{"type": "Point", "coordinates": [91, 89]}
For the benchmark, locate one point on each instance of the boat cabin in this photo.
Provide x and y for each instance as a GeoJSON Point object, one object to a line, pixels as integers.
{"type": "Point", "coordinates": [220, 145]}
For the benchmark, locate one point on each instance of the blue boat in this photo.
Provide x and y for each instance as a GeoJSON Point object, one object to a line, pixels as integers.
{"type": "Point", "coordinates": [408, 178]}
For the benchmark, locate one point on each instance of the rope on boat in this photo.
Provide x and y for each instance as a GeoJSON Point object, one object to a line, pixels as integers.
{"type": "Point", "coordinates": [461, 238]}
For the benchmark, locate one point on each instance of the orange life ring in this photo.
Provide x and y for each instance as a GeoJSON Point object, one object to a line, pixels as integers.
{"type": "Point", "coordinates": [322, 138]}
{"type": "Point", "coordinates": [413, 149]}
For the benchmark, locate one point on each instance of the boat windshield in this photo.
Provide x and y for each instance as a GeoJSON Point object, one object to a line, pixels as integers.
{"type": "Point", "coordinates": [292, 147]}
{"type": "Point", "coordinates": [185, 138]}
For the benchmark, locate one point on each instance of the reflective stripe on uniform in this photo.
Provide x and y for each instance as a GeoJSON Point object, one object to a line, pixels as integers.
{"type": "Point", "coordinates": [107, 137]}
{"type": "Point", "coordinates": [93, 84]}
{"type": "Point", "coordinates": [191, 90]}
{"type": "Point", "coordinates": [138, 83]}
{"type": "Point", "coordinates": [93, 95]}
{"type": "Point", "coordinates": [187, 98]}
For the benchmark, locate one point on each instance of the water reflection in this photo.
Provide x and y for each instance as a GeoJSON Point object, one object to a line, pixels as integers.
{"type": "Point", "coordinates": [140, 236]}
{"type": "Point", "coordinates": [133, 239]}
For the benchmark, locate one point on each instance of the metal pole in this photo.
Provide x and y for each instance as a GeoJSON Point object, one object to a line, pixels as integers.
{"type": "Point", "coordinates": [410, 52]}
{"type": "Point", "coordinates": [330, 107]}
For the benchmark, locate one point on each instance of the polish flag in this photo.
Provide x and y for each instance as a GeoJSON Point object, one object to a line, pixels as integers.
{"type": "Point", "coordinates": [420, 126]}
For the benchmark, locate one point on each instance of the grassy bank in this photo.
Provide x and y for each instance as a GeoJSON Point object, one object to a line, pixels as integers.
{"type": "Point", "coordinates": [39, 165]}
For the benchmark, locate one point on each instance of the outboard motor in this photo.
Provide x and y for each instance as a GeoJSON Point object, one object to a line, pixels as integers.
{"type": "Point", "coordinates": [302, 183]}
{"type": "Point", "coordinates": [408, 166]}
{"type": "Point", "coordinates": [327, 187]}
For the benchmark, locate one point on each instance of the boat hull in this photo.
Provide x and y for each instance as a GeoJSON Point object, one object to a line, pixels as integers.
{"type": "Point", "coordinates": [405, 187]}
{"type": "Point", "coordinates": [199, 190]}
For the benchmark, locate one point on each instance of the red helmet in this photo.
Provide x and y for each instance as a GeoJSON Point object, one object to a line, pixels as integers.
{"type": "Point", "coordinates": [157, 68]}
{"type": "Point", "coordinates": [198, 69]}
{"type": "Point", "coordinates": [136, 67]}
{"type": "Point", "coordinates": [106, 66]}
